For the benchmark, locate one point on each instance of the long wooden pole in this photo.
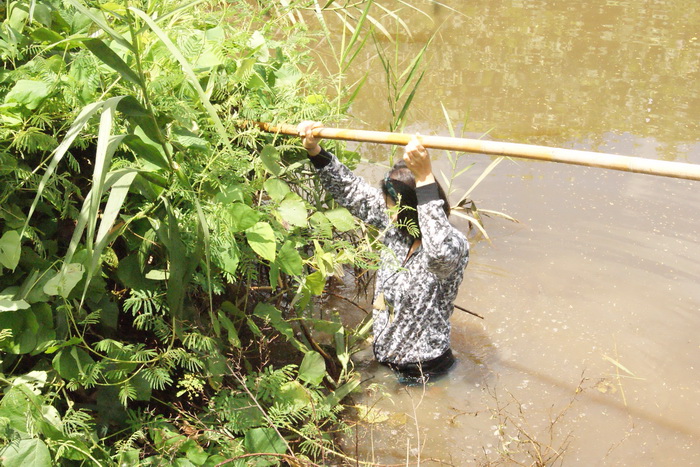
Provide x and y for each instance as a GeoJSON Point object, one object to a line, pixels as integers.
{"type": "Point", "coordinates": [526, 151]}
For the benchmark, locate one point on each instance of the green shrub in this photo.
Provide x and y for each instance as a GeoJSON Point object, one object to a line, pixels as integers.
{"type": "Point", "coordinates": [154, 247]}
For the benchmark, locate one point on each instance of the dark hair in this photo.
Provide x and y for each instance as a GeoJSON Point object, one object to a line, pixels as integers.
{"type": "Point", "coordinates": [400, 184]}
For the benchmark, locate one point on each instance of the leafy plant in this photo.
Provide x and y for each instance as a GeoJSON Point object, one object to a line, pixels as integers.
{"type": "Point", "coordinates": [148, 239]}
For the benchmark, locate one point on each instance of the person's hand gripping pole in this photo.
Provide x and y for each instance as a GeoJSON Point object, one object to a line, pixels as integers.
{"type": "Point", "coordinates": [418, 161]}
{"type": "Point", "coordinates": [310, 142]}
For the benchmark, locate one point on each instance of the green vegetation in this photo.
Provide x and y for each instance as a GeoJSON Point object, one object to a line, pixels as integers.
{"type": "Point", "coordinates": [162, 259]}
{"type": "Point", "coordinates": [156, 255]}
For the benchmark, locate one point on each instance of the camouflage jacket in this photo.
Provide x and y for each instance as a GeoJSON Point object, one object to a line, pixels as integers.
{"type": "Point", "coordinates": [413, 299]}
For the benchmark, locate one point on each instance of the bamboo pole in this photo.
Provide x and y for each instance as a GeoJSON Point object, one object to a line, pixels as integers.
{"type": "Point", "coordinates": [525, 151]}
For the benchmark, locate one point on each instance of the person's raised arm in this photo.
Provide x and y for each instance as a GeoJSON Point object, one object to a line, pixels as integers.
{"type": "Point", "coordinates": [349, 190]}
{"type": "Point", "coordinates": [446, 247]}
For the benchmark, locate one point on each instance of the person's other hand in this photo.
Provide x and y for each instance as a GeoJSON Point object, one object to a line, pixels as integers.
{"type": "Point", "coordinates": [310, 142]}
{"type": "Point", "coordinates": [418, 161]}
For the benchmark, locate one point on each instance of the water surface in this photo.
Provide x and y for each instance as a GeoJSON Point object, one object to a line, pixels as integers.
{"type": "Point", "coordinates": [589, 344]}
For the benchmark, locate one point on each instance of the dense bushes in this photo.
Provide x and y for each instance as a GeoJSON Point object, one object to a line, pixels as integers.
{"type": "Point", "coordinates": [154, 250]}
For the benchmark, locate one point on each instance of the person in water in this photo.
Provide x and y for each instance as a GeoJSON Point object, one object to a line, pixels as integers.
{"type": "Point", "coordinates": [421, 268]}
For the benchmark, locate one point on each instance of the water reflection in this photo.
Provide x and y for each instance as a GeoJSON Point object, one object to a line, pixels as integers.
{"type": "Point", "coordinates": [552, 72]}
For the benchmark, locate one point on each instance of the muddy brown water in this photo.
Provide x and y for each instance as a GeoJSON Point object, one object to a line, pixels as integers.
{"type": "Point", "coordinates": [589, 346]}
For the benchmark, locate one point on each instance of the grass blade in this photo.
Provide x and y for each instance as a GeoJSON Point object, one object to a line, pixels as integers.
{"type": "Point", "coordinates": [102, 51]}
{"type": "Point", "coordinates": [118, 183]}
{"type": "Point", "coordinates": [103, 159]}
{"type": "Point", "coordinates": [102, 24]}
{"type": "Point", "coordinates": [464, 169]}
{"type": "Point", "coordinates": [483, 175]}
{"type": "Point", "coordinates": [409, 99]}
{"type": "Point", "coordinates": [619, 365]}
{"type": "Point", "coordinates": [78, 124]}
{"type": "Point", "coordinates": [458, 212]}
{"type": "Point", "coordinates": [448, 120]}
{"type": "Point", "coordinates": [356, 33]}
{"type": "Point", "coordinates": [489, 212]}
{"type": "Point", "coordinates": [397, 18]}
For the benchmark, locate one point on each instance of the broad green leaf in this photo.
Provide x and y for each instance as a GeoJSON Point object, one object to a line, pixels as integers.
{"type": "Point", "coordinates": [46, 35]}
{"type": "Point", "coordinates": [268, 312]}
{"type": "Point", "coordinates": [264, 440]}
{"type": "Point", "coordinates": [28, 93]}
{"type": "Point", "coordinates": [12, 305]}
{"type": "Point", "coordinates": [293, 211]}
{"type": "Point", "coordinates": [113, 7]}
{"type": "Point", "coordinates": [274, 274]}
{"type": "Point", "coordinates": [341, 348]}
{"type": "Point", "coordinates": [157, 275]}
{"type": "Point", "coordinates": [183, 261]}
{"type": "Point", "coordinates": [144, 121]}
{"type": "Point", "coordinates": [146, 151]}
{"type": "Point", "coordinates": [112, 60]}
{"type": "Point", "coordinates": [230, 328]}
{"type": "Point", "coordinates": [341, 219]}
{"type": "Point", "coordinates": [17, 16]}
{"type": "Point", "coordinates": [50, 424]}
{"type": "Point", "coordinates": [65, 280]}
{"type": "Point", "coordinates": [290, 260]}
{"type": "Point", "coordinates": [339, 394]}
{"type": "Point", "coordinates": [10, 249]}
{"type": "Point", "coordinates": [321, 225]}
{"type": "Point", "coordinates": [315, 282]}
{"type": "Point", "coordinates": [45, 333]}
{"type": "Point", "coordinates": [253, 327]}
{"type": "Point", "coordinates": [274, 316]}
{"type": "Point", "coordinates": [312, 368]}
{"type": "Point", "coordinates": [209, 58]}
{"type": "Point", "coordinates": [26, 452]}
{"type": "Point", "coordinates": [230, 194]}
{"type": "Point", "coordinates": [35, 380]}
{"type": "Point", "coordinates": [293, 393]}
{"type": "Point", "coordinates": [31, 329]}
{"type": "Point", "coordinates": [242, 217]}
{"type": "Point", "coordinates": [70, 342]}
{"type": "Point", "coordinates": [271, 159]}
{"type": "Point", "coordinates": [233, 310]}
{"type": "Point", "coordinates": [258, 43]}
{"type": "Point", "coordinates": [329, 327]}
{"type": "Point", "coordinates": [276, 188]}
{"type": "Point", "coordinates": [245, 68]}
{"type": "Point", "coordinates": [71, 362]}
{"type": "Point", "coordinates": [371, 414]}
{"type": "Point", "coordinates": [261, 239]}
{"type": "Point", "coordinates": [131, 276]}
{"type": "Point", "coordinates": [41, 13]}
{"type": "Point", "coordinates": [194, 452]}
{"type": "Point", "coordinates": [230, 259]}
{"type": "Point", "coordinates": [19, 403]}
{"type": "Point", "coordinates": [142, 387]}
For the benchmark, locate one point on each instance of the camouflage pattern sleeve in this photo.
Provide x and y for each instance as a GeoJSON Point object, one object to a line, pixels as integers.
{"type": "Point", "coordinates": [446, 247]}
{"type": "Point", "coordinates": [351, 191]}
